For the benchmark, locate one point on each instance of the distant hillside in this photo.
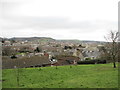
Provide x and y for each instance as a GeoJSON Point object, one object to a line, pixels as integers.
{"type": "Point", "coordinates": [32, 39]}
{"type": "Point", "coordinates": [89, 41]}
{"type": "Point", "coordinates": [80, 41]}
{"type": "Point", "coordinates": [0, 39]}
{"type": "Point", "coordinates": [69, 41]}
{"type": "Point", "coordinates": [48, 39]}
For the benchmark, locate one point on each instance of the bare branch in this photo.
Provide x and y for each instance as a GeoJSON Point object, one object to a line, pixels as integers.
{"type": "Point", "coordinates": [112, 45]}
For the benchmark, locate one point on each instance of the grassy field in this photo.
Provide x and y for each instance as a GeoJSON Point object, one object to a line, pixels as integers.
{"type": "Point", "coordinates": [80, 76]}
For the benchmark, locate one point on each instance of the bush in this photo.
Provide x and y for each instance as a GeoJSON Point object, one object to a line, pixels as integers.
{"type": "Point", "coordinates": [8, 51]}
{"type": "Point", "coordinates": [13, 57]}
{"type": "Point", "coordinates": [87, 58]}
{"type": "Point", "coordinates": [92, 62]}
{"type": "Point", "coordinates": [86, 62]}
{"type": "Point", "coordinates": [101, 61]}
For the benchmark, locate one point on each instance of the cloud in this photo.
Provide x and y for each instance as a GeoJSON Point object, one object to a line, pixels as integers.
{"type": "Point", "coordinates": [75, 19]}
{"type": "Point", "coordinates": [56, 27]}
{"type": "Point", "coordinates": [54, 23]}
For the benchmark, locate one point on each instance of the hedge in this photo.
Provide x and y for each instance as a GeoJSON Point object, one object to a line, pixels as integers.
{"type": "Point", "coordinates": [92, 62]}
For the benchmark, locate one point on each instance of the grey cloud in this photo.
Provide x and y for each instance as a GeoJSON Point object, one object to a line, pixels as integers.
{"type": "Point", "coordinates": [55, 23]}
{"type": "Point", "coordinates": [7, 5]}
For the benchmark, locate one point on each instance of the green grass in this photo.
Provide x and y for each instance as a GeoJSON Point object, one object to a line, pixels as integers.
{"type": "Point", "coordinates": [80, 76]}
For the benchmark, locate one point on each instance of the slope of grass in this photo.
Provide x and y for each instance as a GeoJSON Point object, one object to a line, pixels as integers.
{"type": "Point", "coordinates": [80, 76]}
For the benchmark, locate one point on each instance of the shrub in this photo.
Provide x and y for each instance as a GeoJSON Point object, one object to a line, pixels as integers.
{"type": "Point", "coordinates": [86, 62]}
{"type": "Point", "coordinates": [87, 58]}
{"type": "Point", "coordinates": [101, 61]}
{"type": "Point", "coordinates": [13, 57]}
{"type": "Point", "coordinates": [92, 62]}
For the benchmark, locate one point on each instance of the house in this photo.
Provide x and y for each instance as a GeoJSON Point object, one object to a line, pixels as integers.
{"type": "Point", "coordinates": [78, 53]}
{"type": "Point", "coordinates": [91, 52]}
{"type": "Point", "coordinates": [24, 62]}
{"type": "Point", "coordinates": [66, 60]}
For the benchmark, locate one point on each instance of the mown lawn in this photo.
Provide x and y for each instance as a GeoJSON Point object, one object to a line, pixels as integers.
{"type": "Point", "coordinates": [80, 76]}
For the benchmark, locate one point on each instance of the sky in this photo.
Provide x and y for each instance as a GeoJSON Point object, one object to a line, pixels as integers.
{"type": "Point", "coordinates": [59, 19]}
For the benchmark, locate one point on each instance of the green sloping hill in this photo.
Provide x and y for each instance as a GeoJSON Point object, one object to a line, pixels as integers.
{"type": "Point", "coordinates": [80, 76]}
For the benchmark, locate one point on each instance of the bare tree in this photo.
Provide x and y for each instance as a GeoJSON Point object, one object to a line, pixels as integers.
{"type": "Point", "coordinates": [8, 51]}
{"type": "Point", "coordinates": [112, 46]}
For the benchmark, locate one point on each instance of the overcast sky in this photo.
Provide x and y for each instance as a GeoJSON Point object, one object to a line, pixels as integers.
{"type": "Point", "coordinates": [59, 19]}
